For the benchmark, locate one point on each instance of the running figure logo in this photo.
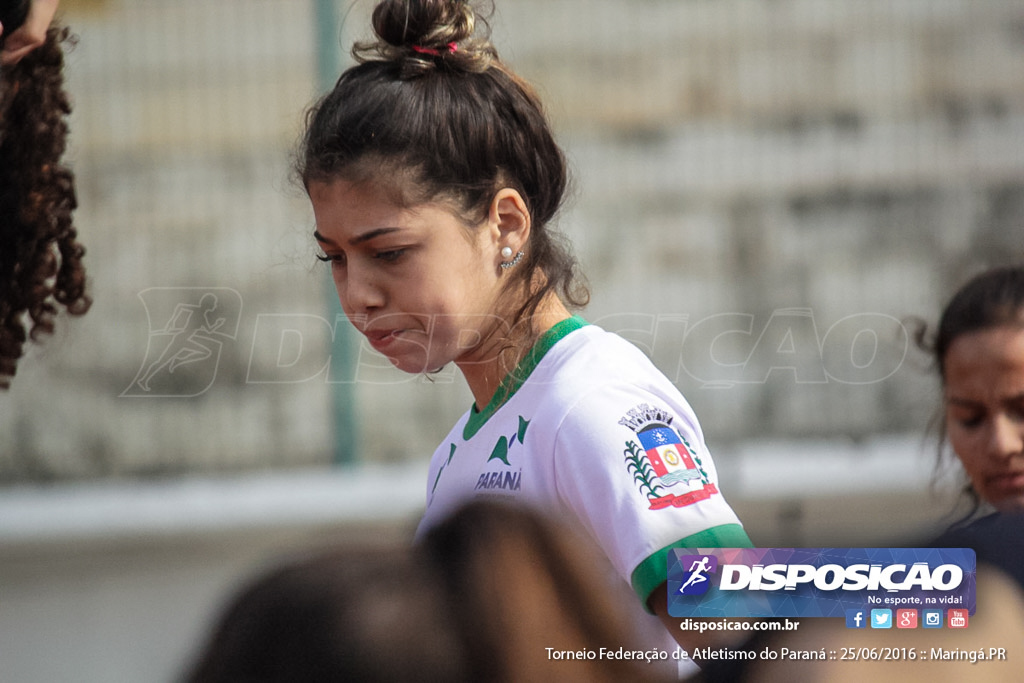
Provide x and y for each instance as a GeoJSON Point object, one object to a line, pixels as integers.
{"type": "Point", "coordinates": [187, 330]}
{"type": "Point", "coordinates": [698, 567]}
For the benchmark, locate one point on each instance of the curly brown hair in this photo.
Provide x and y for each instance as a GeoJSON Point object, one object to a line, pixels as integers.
{"type": "Point", "coordinates": [40, 257]}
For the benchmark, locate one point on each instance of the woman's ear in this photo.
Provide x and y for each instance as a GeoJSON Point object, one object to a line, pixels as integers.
{"type": "Point", "coordinates": [509, 220]}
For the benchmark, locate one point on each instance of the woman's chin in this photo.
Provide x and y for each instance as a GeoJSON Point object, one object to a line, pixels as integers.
{"type": "Point", "coordinates": [1010, 504]}
{"type": "Point", "coordinates": [411, 365]}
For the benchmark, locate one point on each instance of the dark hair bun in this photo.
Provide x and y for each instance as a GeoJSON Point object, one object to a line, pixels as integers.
{"type": "Point", "coordinates": [423, 34]}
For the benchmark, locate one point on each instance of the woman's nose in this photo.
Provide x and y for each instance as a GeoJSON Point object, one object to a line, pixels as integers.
{"type": "Point", "coordinates": [358, 290]}
{"type": "Point", "coordinates": [1007, 437]}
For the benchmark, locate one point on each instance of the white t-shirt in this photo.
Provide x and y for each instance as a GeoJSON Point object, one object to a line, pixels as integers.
{"type": "Point", "coordinates": [591, 432]}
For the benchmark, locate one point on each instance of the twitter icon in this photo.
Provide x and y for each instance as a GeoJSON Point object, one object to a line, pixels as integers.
{"type": "Point", "coordinates": [881, 618]}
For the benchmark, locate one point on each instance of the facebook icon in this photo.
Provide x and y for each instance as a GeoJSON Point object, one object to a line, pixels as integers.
{"type": "Point", "coordinates": [855, 618]}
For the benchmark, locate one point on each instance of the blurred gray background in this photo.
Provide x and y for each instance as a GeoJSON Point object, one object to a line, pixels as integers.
{"type": "Point", "coordinates": [767, 194]}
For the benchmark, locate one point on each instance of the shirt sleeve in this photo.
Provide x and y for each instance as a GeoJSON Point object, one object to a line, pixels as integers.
{"type": "Point", "coordinates": [632, 466]}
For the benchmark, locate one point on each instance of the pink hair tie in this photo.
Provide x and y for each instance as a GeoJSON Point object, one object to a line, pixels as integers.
{"type": "Point", "coordinates": [452, 48]}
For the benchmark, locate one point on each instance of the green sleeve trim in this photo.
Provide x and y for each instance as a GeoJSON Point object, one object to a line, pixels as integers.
{"type": "Point", "coordinates": [515, 379]}
{"type": "Point", "coordinates": [653, 571]}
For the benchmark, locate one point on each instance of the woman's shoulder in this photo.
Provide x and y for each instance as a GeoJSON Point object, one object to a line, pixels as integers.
{"type": "Point", "coordinates": [600, 355]}
{"type": "Point", "coordinates": [596, 361]}
{"type": "Point", "coordinates": [600, 375]}
{"type": "Point", "coordinates": [997, 539]}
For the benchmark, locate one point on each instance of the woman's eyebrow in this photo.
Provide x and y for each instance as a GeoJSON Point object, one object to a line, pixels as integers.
{"type": "Point", "coordinates": [966, 402]}
{"type": "Point", "coordinates": [358, 239]}
{"type": "Point", "coordinates": [321, 238]}
{"type": "Point", "coordinates": [371, 234]}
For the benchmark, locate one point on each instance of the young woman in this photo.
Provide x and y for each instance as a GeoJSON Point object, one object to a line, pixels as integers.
{"type": "Point", "coordinates": [434, 176]}
{"type": "Point", "coordinates": [978, 349]}
{"type": "Point", "coordinates": [483, 598]}
{"type": "Point", "coordinates": [979, 352]}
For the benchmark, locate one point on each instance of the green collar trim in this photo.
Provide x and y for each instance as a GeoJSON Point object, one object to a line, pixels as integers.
{"type": "Point", "coordinates": [515, 379]}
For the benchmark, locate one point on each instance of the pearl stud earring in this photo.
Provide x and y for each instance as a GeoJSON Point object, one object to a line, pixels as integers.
{"type": "Point", "coordinates": [507, 252]}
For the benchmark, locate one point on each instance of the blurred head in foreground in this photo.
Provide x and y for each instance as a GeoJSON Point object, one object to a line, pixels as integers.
{"type": "Point", "coordinates": [485, 597]}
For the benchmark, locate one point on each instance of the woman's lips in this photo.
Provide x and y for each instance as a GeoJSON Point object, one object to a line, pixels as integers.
{"type": "Point", "coordinates": [381, 339]}
{"type": "Point", "coordinates": [1008, 482]}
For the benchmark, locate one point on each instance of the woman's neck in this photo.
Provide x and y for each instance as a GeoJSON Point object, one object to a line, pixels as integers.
{"type": "Point", "coordinates": [484, 377]}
